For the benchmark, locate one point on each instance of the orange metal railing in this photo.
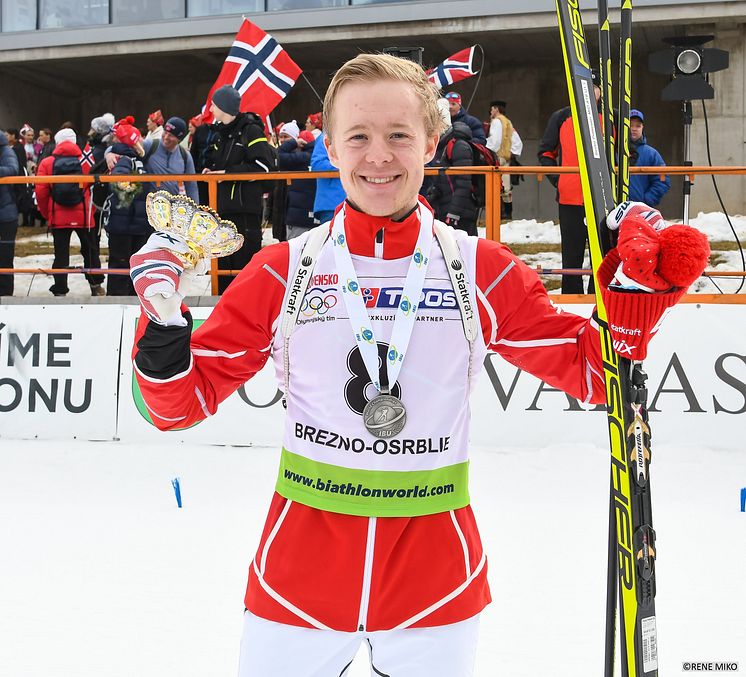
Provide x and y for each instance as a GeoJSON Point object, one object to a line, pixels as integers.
{"type": "Point", "coordinates": [493, 177]}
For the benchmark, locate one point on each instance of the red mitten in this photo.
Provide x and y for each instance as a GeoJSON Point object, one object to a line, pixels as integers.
{"type": "Point", "coordinates": [645, 275]}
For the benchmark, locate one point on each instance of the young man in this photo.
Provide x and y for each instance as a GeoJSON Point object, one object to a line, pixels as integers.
{"type": "Point", "coordinates": [370, 536]}
{"type": "Point", "coordinates": [647, 188]}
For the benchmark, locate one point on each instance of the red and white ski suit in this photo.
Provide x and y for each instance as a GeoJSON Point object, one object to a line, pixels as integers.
{"type": "Point", "coordinates": [316, 568]}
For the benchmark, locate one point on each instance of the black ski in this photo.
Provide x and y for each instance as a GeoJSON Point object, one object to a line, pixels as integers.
{"type": "Point", "coordinates": [625, 98]}
{"type": "Point", "coordinates": [629, 434]}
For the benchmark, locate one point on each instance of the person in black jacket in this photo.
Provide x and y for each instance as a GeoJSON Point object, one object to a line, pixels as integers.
{"type": "Point", "coordinates": [240, 146]}
{"type": "Point", "coordinates": [8, 214]}
{"type": "Point", "coordinates": [295, 156]}
{"type": "Point", "coordinates": [124, 216]}
{"type": "Point", "coordinates": [99, 138]}
{"type": "Point", "coordinates": [451, 196]}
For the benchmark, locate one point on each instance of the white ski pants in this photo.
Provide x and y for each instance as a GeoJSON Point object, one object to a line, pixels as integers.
{"type": "Point", "coordinates": [270, 649]}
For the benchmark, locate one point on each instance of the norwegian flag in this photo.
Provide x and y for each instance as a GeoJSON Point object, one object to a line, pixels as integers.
{"type": "Point", "coordinates": [457, 67]}
{"type": "Point", "coordinates": [86, 160]}
{"type": "Point", "coordinates": [259, 68]}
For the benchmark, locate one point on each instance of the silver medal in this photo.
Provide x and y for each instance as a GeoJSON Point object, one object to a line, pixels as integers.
{"type": "Point", "coordinates": [384, 416]}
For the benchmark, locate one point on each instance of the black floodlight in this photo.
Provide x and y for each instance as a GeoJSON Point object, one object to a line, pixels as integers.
{"type": "Point", "coordinates": [689, 64]}
{"type": "Point", "coordinates": [411, 53]}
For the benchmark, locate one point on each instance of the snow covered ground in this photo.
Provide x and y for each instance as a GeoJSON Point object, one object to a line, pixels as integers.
{"type": "Point", "coordinates": [521, 231]}
{"type": "Point", "coordinates": [102, 575]}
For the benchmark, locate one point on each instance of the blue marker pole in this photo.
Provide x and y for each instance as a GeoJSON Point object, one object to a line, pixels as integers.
{"type": "Point", "coordinates": [743, 499]}
{"type": "Point", "coordinates": [177, 490]}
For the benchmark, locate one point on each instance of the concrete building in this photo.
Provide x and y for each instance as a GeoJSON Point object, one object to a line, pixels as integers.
{"type": "Point", "coordinates": [74, 59]}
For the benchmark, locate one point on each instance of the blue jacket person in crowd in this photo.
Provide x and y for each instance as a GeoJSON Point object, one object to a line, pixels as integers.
{"type": "Point", "coordinates": [459, 114]}
{"type": "Point", "coordinates": [647, 188]}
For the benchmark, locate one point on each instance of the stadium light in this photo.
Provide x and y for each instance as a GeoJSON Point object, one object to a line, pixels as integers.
{"type": "Point", "coordinates": [688, 64]}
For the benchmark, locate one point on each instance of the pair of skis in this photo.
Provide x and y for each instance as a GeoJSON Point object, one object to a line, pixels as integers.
{"type": "Point", "coordinates": [631, 566]}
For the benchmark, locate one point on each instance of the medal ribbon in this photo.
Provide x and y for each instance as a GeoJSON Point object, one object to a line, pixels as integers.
{"type": "Point", "coordinates": [407, 307]}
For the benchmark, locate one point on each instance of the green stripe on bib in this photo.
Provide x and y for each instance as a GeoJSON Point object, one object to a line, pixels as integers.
{"type": "Point", "coordinates": [372, 493]}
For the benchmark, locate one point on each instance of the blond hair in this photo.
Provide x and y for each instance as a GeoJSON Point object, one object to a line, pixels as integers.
{"type": "Point", "coordinates": [372, 67]}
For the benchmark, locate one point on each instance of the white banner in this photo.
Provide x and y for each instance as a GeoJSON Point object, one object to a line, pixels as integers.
{"type": "Point", "coordinates": [59, 367]}
{"type": "Point", "coordinates": [58, 371]}
{"type": "Point", "coordinates": [697, 386]}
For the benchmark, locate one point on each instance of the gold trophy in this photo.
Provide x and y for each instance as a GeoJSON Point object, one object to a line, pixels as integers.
{"type": "Point", "coordinates": [206, 235]}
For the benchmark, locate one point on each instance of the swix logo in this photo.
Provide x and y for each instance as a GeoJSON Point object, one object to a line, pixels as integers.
{"type": "Point", "coordinates": [391, 297]}
{"type": "Point", "coordinates": [577, 31]}
{"type": "Point", "coordinates": [623, 348]}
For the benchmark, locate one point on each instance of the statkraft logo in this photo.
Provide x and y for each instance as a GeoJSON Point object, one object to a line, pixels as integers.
{"type": "Point", "coordinates": [391, 297]}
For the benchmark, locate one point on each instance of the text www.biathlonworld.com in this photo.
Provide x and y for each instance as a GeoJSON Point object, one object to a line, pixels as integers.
{"type": "Point", "coordinates": [351, 489]}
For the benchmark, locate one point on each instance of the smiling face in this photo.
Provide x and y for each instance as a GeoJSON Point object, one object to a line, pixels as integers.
{"type": "Point", "coordinates": [380, 145]}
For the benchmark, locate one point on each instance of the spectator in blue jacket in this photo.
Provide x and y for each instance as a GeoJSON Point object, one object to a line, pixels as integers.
{"type": "Point", "coordinates": [459, 114]}
{"type": "Point", "coordinates": [647, 188]}
{"type": "Point", "coordinates": [295, 156]}
{"type": "Point", "coordinates": [329, 192]}
{"type": "Point", "coordinates": [8, 214]}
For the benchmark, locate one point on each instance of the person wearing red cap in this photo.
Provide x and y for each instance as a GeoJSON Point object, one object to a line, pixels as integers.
{"type": "Point", "coordinates": [155, 125]}
{"type": "Point", "coordinates": [124, 216]}
{"type": "Point", "coordinates": [378, 322]}
{"type": "Point", "coordinates": [460, 114]}
{"type": "Point", "coordinates": [314, 124]}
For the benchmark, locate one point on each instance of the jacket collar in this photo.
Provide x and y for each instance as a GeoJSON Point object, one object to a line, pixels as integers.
{"type": "Point", "coordinates": [397, 239]}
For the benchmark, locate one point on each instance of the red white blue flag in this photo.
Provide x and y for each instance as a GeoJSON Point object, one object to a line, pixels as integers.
{"type": "Point", "coordinates": [457, 67]}
{"type": "Point", "coordinates": [86, 159]}
{"type": "Point", "coordinates": [259, 68]}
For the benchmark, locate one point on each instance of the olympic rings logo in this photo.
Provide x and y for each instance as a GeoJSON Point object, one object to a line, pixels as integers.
{"type": "Point", "coordinates": [318, 305]}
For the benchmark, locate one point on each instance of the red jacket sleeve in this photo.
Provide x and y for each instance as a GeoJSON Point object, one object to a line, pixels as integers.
{"type": "Point", "coordinates": [230, 347]}
{"type": "Point", "coordinates": [522, 324]}
{"type": "Point", "coordinates": [42, 189]}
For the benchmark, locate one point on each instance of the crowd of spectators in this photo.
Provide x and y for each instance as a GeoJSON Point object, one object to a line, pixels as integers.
{"type": "Point", "coordinates": [239, 142]}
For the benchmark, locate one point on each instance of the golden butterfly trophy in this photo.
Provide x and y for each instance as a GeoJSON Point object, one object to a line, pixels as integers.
{"type": "Point", "coordinates": [206, 235]}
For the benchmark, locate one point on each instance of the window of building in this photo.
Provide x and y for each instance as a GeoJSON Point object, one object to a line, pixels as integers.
{"type": "Point", "coordinates": [304, 4]}
{"type": "Point", "coordinates": [18, 15]}
{"type": "Point", "coordinates": [212, 7]}
{"type": "Point", "coordinates": [140, 11]}
{"type": "Point", "coordinates": [69, 13]}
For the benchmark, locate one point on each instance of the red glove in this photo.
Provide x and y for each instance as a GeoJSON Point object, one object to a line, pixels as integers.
{"type": "Point", "coordinates": [647, 273]}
